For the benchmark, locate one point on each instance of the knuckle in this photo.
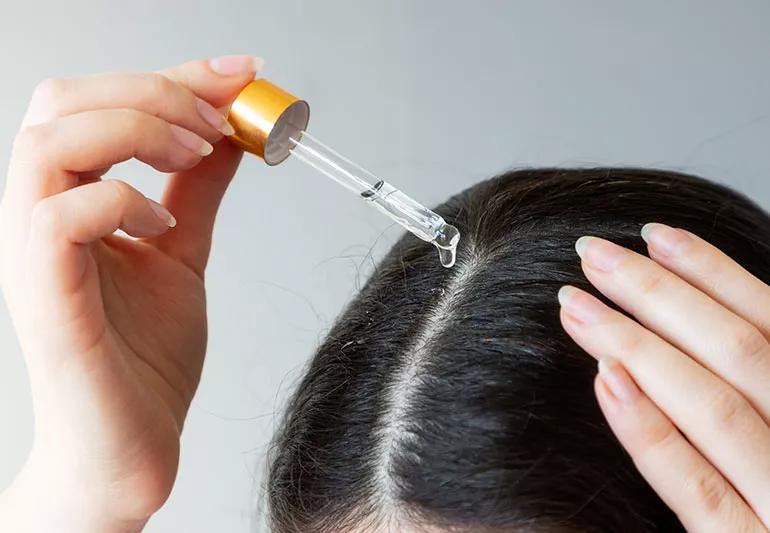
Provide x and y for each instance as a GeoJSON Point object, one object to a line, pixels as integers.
{"type": "Point", "coordinates": [658, 436]}
{"type": "Point", "coordinates": [45, 217]}
{"type": "Point", "coordinates": [31, 138]}
{"type": "Point", "coordinates": [48, 91]}
{"type": "Point", "coordinates": [653, 283]}
{"type": "Point", "coordinates": [746, 344]}
{"type": "Point", "coordinates": [728, 409]}
{"type": "Point", "coordinates": [630, 341]}
{"type": "Point", "coordinates": [133, 121]}
{"type": "Point", "coordinates": [711, 489]}
{"type": "Point", "coordinates": [710, 272]}
{"type": "Point", "coordinates": [22, 140]}
{"type": "Point", "coordinates": [160, 86]}
{"type": "Point", "coordinates": [122, 192]}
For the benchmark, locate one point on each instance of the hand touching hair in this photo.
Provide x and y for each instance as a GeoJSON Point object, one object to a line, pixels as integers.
{"type": "Point", "coordinates": [454, 399]}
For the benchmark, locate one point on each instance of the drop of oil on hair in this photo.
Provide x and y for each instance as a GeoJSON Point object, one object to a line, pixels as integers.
{"type": "Point", "coordinates": [446, 242]}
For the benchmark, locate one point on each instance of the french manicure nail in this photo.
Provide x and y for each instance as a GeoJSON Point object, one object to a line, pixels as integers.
{"type": "Point", "coordinates": [580, 305]}
{"type": "Point", "coordinates": [564, 294]}
{"type": "Point", "coordinates": [598, 253]}
{"type": "Point", "coordinates": [618, 381]}
{"type": "Point", "coordinates": [162, 213]}
{"type": "Point", "coordinates": [214, 117]}
{"type": "Point", "coordinates": [236, 65]}
{"type": "Point", "coordinates": [664, 239]}
{"type": "Point", "coordinates": [191, 141]}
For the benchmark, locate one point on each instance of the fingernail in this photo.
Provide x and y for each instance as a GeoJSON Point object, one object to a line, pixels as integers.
{"type": "Point", "coordinates": [581, 305]}
{"type": "Point", "coordinates": [564, 294]}
{"type": "Point", "coordinates": [214, 117]}
{"type": "Point", "coordinates": [236, 65]}
{"type": "Point", "coordinates": [162, 213]}
{"type": "Point", "coordinates": [665, 240]}
{"type": "Point", "coordinates": [618, 380]}
{"type": "Point", "coordinates": [191, 141]}
{"type": "Point", "coordinates": [599, 253]}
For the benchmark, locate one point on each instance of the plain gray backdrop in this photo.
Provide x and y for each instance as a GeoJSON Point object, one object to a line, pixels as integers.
{"type": "Point", "coordinates": [435, 96]}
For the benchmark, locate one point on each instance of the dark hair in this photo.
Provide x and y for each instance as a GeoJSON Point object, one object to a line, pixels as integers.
{"type": "Point", "coordinates": [452, 399]}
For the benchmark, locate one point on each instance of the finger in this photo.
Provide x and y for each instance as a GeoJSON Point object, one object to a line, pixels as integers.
{"type": "Point", "coordinates": [716, 419]}
{"type": "Point", "coordinates": [699, 495]}
{"type": "Point", "coordinates": [61, 224]}
{"type": "Point", "coordinates": [150, 93]}
{"type": "Point", "coordinates": [720, 340]}
{"type": "Point", "coordinates": [194, 197]}
{"type": "Point", "coordinates": [704, 266]}
{"type": "Point", "coordinates": [218, 81]}
{"type": "Point", "coordinates": [48, 157]}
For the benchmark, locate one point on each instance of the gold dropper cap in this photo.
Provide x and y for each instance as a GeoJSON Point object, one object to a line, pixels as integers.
{"type": "Point", "coordinates": [265, 117]}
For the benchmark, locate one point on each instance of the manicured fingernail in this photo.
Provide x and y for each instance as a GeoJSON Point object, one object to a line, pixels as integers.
{"type": "Point", "coordinates": [214, 117]}
{"type": "Point", "coordinates": [580, 305]}
{"type": "Point", "coordinates": [236, 65]}
{"type": "Point", "coordinates": [618, 380]}
{"type": "Point", "coordinates": [162, 213]}
{"type": "Point", "coordinates": [564, 294]}
{"type": "Point", "coordinates": [665, 240]}
{"type": "Point", "coordinates": [191, 141]}
{"type": "Point", "coordinates": [599, 253]}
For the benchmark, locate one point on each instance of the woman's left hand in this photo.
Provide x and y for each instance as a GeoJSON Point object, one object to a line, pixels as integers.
{"type": "Point", "coordinates": [686, 385]}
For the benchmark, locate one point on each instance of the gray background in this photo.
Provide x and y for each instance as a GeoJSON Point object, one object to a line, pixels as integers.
{"type": "Point", "coordinates": [435, 95]}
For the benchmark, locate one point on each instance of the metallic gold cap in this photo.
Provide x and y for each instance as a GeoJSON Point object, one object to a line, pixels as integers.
{"type": "Point", "coordinates": [264, 117]}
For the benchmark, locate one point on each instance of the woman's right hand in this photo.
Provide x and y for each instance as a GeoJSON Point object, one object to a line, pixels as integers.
{"type": "Point", "coordinates": [113, 330]}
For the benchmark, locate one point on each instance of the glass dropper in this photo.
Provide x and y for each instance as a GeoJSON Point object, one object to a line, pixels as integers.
{"type": "Point", "coordinates": [271, 123]}
{"type": "Point", "coordinates": [403, 209]}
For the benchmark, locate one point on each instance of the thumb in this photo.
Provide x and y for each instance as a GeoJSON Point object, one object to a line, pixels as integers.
{"type": "Point", "coordinates": [195, 195]}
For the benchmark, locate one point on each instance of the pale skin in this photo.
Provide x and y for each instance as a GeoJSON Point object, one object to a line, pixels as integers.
{"type": "Point", "coordinates": [113, 330]}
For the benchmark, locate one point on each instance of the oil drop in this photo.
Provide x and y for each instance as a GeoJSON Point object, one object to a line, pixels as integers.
{"type": "Point", "coordinates": [403, 209]}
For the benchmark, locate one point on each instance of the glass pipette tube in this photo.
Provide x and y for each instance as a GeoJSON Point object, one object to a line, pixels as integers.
{"type": "Point", "coordinates": [403, 209]}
